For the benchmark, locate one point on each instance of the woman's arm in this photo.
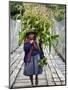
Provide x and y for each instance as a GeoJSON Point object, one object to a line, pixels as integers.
{"type": "Point", "coordinates": [27, 46]}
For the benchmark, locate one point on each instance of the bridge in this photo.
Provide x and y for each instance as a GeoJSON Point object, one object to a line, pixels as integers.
{"type": "Point", "coordinates": [53, 73]}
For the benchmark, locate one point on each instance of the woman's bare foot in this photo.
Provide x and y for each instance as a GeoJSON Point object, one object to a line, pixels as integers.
{"type": "Point", "coordinates": [36, 80]}
{"type": "Point", "coordinates": [31, 79]}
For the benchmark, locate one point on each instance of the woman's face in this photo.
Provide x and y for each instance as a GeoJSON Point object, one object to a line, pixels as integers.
{"type": "Point", "coordinates": [31, 36]}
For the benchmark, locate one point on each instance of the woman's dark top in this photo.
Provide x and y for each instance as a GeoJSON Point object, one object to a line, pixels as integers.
{"type": "Point", "coordinates": [27, 47]}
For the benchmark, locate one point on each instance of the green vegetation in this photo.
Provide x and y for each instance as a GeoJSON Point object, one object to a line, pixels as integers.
{"type": "Point", "coordinates": [16, 10]}
{"type": "Point", "coordinates": [37, 17]}
{"type": "Point", "coordinates": [57, 11]}
{"type": "Point", "coordinates": [42, 62]}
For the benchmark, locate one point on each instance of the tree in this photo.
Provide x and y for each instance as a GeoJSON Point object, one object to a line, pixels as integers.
{"type": "Point", "coordinates": [16, 10]}
{"type": "Point", "coordinates": [57, 11]}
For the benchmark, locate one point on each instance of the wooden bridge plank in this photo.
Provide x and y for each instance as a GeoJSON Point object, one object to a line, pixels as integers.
{"type": "Point", "coordinates": [61, 77]}
{"type": "Point", "coordinates": [54, 70]}
{"type": "Point", "coordinates": [14, 74]}
{"type": "Point", "coordinates": [14, 60]}
{"type": "Point", "coordinates": [52, 75]}
{"type": "Point", "coordinates": [49, 76]}
{"type": "Point", "coordinates": [23, 80]}
{"type": "Point", "coordinates": [12, 68]}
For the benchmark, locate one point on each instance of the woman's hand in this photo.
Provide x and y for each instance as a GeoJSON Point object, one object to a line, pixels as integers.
{"type": "Point", "coordinates": [31, 41]}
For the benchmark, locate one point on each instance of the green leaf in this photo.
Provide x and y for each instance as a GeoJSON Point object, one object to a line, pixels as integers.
{"type": "Point", "coordinates": [49, 44]}
{"type": "Point", "coordinates": [54, 36]}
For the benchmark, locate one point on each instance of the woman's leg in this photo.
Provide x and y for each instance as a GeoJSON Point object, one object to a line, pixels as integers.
{"type": "Point", "coordinates": [31, 79]}
{"type": "Point", "coordinates": [36, 80]}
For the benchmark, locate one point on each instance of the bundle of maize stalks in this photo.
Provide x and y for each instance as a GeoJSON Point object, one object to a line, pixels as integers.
{"type": "Point", "coordinates": [42, 62]}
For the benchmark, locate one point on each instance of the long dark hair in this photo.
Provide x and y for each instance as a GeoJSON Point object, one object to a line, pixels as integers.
{"type": "Point", "coordinates": [27, 35]}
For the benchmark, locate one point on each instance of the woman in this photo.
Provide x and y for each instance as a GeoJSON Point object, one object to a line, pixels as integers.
{"type": "Point", "coordinates": [32, 56]}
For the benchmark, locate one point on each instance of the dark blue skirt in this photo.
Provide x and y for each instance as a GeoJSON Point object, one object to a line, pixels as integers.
{"type": "Point", "coordinates": [32, 68]}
